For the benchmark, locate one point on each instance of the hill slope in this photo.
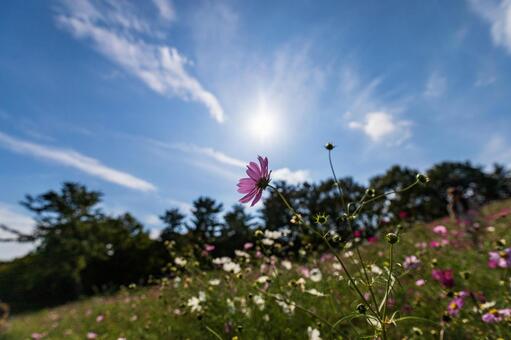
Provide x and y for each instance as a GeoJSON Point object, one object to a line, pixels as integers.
{"type": "Point", "coordinates": [273, 298]}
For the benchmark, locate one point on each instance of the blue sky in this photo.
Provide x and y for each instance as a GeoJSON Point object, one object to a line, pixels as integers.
{"type": "Point", "coordinates": [155, 103]}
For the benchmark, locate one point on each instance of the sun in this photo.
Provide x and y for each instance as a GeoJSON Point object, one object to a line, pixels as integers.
{"type": "Point", "coordinates": [263, 122]}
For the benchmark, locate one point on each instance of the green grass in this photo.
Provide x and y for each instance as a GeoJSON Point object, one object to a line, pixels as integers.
{"type": "Point", "coordinates": [230, 310]}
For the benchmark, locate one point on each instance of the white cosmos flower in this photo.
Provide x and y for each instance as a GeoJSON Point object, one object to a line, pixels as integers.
{"type": "Point", "coordinates": [267, 241]}
{"type": "Point", "coordinates": [262, 279]}
{"type": "Point", "coordinates": [286, 264]}
{"type": "Point", "coordinates": [313, 333]}
{"type": "Point", "coordinates": [315, 275]}
{"type": "Point", "coordinates": [202, 296]}
{"type": "Point", "coordinates": [214, 282]}
{"type": "Point", "coordinates": [231, 267]}
{"type": "Point", "coordinates": [194, 304]}
{"type": "Point", "coordinates": [376, 270]}
{"type": "Point", "coordinates": [314, 292]}
{"type": "Point", "coordinates": [241, 253]}
{"type": "Point", "coordinates": [181, 262]}
{"type": "Point", "coordinates": [221, 260]}
{"type": "Point", "coordinates": [288, 308]}
{"type": "Point", "coordinates": [259, 301]}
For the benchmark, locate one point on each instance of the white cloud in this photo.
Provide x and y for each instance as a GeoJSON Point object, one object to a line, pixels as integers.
{"type": "Point", "coordinates": [154, 233]}
{"type": "Point", "coordinates": [291, 177]}
{"type": "Point", "coordinates": [382, 126]}
{"type": "Point", "coordinates": [10, 217]}
{"type": "Point", "coordinates": [152, 220]}
{"type": "Point", "coordinates": [119, 35]}
{"type": "Point", "coordinates": [75, 160]}
{"type": "Point", "coordinates": [374, 113]}
{"type": "Point", "coordinates": [498, 15]}
{"type": "Point", "coordinates": [285, 174]}
{"type": "Point", "coordinates": [211, 153]}
{"type": "Point", "coordinates": [166, 9]}
{"type": "Point", "coordinates": [183, 206]}
{"type": "Point", "coordinates": [497, 149]}
{"type": "Point", "coordinates": [435, 86]}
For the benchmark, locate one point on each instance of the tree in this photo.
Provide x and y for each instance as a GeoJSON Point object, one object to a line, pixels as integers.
{"type": "Point", "coordinates": [237, 231]}
{"type": "Point", "coordinates": [173, 220]}
{"type": "Point", "coordinates": [205, 225]}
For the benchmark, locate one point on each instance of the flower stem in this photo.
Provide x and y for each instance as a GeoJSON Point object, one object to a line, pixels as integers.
{"type": "Point", "coordinates": [337, 183]}
{"type": "Point", "coordinates": [387, 290]}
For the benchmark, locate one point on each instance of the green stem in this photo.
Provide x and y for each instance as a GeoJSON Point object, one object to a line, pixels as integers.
{"type": "Point", "coordinates": [303, 309]}
{"type": "Point", "coordinates": [350, 278]}
{"type": "Point", "coordinates": [213, 332]}
{"type": "Point", "coordinates": [387, 290]}
{"type": "Point", "coordinates": [337, 183]}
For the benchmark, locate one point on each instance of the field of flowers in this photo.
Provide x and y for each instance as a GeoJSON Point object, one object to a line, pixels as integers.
{"type": "Point", "coordinates": [441, 287]}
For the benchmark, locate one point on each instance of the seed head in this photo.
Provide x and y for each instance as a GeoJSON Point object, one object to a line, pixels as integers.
{"type": "Point", "coordinates": [392, 238]}
{"type": "Point", "coordinates": [423, 179]}
{"type": "Point", "coordinates": [329, 146]}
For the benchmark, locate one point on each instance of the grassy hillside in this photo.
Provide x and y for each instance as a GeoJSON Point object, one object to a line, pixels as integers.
{"type": "Point", "coordinates": [273, 298]}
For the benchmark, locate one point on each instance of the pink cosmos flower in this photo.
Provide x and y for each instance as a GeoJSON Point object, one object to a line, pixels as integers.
{"type": "Point", "coordinates": [36, 336]}
{"type": "Point", "coordinates": [411, 262]}
{"type": "Point", "coordinates": [495, 315]}
{"type": "Point", "coordinates": [434, 244]}
{"type": "Point", "coordinates": [444, 276]}
{"type": "Point", "coordinates": [455, 306]}
{"type": "Point", "coordinates": [357, 233]}
{"type": "Point", "coordinates": [372, 239]}
{"type": "Point", "coordinates": [209, 247]}
{"type": "Point", "coordinates": [440, 230]}
{"type": "Point", "coordinates": [500, 259]}
{"type": "Point", "coordinates": [258, 179]}
{"type": "Point", "coordinates": [420, 282]}
{"type": "Point", "coordinates": [92, 335]}
{"type": "Point", "coordinates": [403, 214]}
{"type": "Point", "coordinates": [248, 246]}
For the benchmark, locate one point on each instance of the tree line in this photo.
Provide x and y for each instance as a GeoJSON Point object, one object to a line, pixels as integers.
{"type": "Point", "coordinates": [80, 250]}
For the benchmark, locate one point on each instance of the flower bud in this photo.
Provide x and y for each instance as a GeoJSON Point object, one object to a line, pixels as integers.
{"type": "Point", "coordinates": [361, 308]}
{"type": "Point", "coordinates": [329, 146]}
{"type": "Point", "coordinates": [258, 233]}
{"type": "Point", "coordinates": [422, 178]}
{"type": "Point", "coordinates": [392, 238]}
{"type": "Point", "coordinates": [370, 192]}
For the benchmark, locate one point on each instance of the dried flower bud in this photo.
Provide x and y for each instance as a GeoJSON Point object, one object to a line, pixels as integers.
{"type": "Point", "coordinates": [329, 146]}
{"type": "Point", "coordinates": [392, 238]}
{"type": "Point", "coordinates": [422, 178]}
{"type": "Point", "coordinates": [370, 192]}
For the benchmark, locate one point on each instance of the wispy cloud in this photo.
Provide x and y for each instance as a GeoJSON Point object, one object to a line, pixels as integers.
{"type": "Point", "coordinates": [497, 149]}
{"type": "Point", "coordinates": [120, 35]}
{"type": "Point", "coordinates": [436, 85]}
{"type": "Point", "coordinates": [75, 160]}
{"type": "Point", "coordinates": [292, 177]}
{"type": "Point", "coordinates": [369, 112]}
{"type": "Point", "coordinates": [166, 9]}
{"type": "Point", "coordinates": [498, 15]}
{"type": "Point", "coordinates": [382, 126]}
{"type": "Point", "coordinates": [284, 174]}
{"type": "Point", "coordinates": [10, 217]}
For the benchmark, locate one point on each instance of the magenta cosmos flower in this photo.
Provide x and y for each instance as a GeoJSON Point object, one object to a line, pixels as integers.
{"type": "Point", "coordinates": [258, 179]}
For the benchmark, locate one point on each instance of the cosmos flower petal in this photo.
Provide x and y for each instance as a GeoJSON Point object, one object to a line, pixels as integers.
{"type": "Point", "coordinates": [255, 167]}
{"type": "Point", "coordinates": [252, 174]}
{"type": "Point", "coordinates": [257, 197]}
{"type": "Point", "coordinates": [248, 196]}
{"type": "Point", "coordinates": [246, 181]}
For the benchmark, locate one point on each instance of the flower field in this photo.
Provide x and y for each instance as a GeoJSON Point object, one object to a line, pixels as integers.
{"type": "Point", "coordinates": [442, 287]}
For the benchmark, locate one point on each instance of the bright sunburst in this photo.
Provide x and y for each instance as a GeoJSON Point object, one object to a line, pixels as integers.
{"type": "Point", "coordinates": [263, 123]}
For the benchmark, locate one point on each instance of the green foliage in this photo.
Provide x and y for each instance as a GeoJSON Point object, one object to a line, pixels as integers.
{"type": "Point", "coordinates": [233, 307]}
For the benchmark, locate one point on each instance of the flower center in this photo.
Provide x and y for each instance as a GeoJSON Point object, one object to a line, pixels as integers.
{"type": "Point", "coordinates": [263, 183]}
